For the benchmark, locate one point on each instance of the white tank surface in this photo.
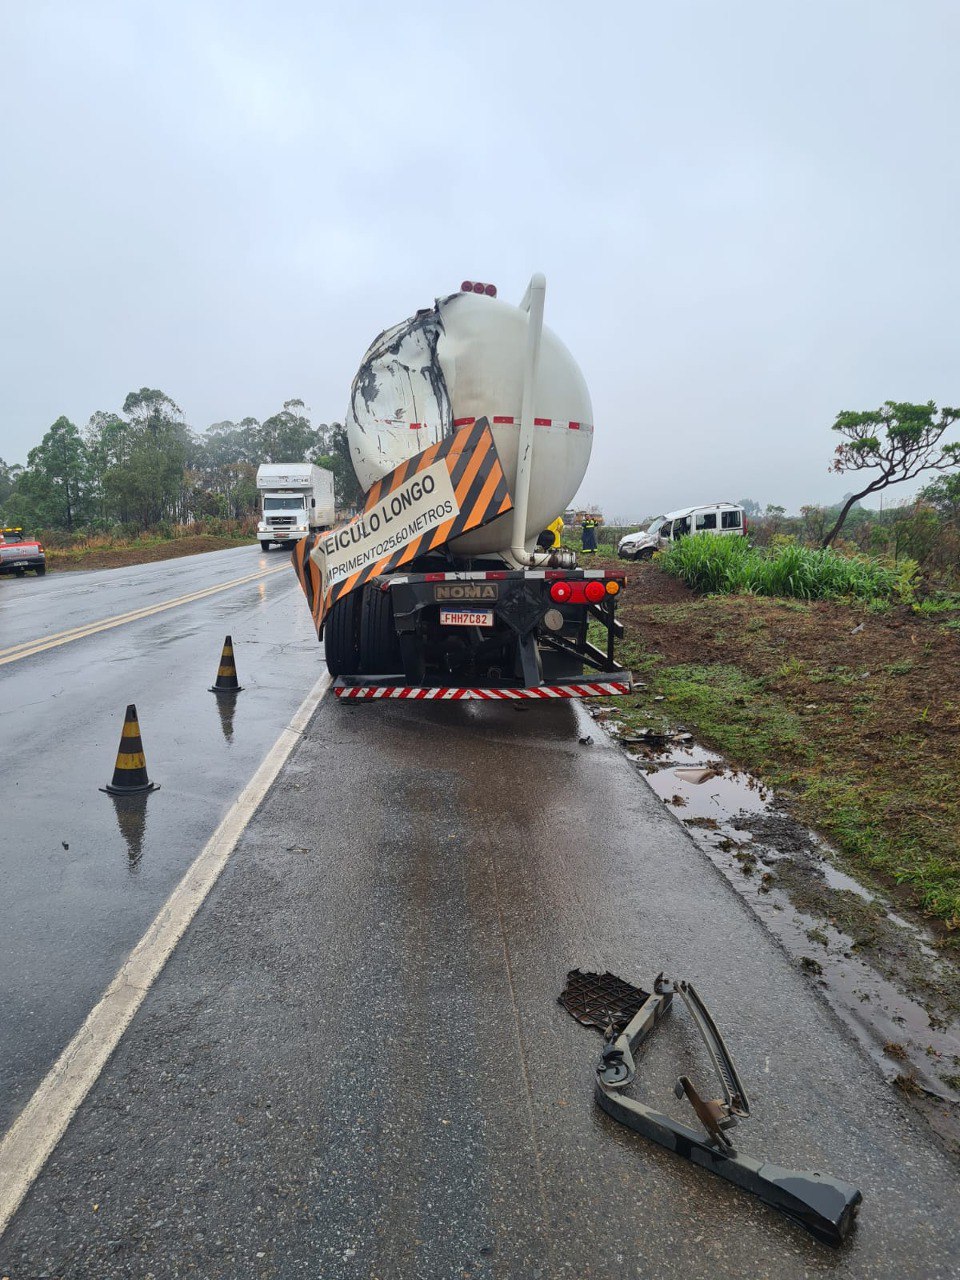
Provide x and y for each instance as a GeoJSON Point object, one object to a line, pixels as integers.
{"type": "Point", "coordinates": [457, 361]}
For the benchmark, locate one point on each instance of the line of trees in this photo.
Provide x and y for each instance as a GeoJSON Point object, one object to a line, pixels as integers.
{"type": "Point", "coordinates": [144, 466]}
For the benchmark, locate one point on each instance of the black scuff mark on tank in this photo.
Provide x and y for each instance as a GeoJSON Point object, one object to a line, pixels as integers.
{"type": "Point", "coordinates": [418, 334]}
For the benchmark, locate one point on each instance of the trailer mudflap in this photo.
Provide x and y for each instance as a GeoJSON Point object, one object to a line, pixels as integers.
{"type": "Point", "coordinates": [825, 1206]}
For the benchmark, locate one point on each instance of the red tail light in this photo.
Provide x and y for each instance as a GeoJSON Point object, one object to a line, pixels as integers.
{"type": "Point", "coordinates": [578, 591]}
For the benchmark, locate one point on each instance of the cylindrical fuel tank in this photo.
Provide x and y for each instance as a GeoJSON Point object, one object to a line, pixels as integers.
{"type": "Point", "coordinates": [457, 361]}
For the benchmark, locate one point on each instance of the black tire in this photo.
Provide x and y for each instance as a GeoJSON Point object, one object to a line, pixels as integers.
{"type": "Point", "coordinates": [341, 637]}
{"type": "Point", "coordinates": [379, 643]}
{"type": "Point", "coordinates": [626, 555]}
{"type": "Point", "coordinates": [645, 554]}
{"type": "Point", "coordinates": [41, 570]}
{"type": "Point", "coordinates": [264, 546]}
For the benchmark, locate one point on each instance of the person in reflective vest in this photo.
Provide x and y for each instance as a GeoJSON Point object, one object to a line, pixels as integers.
{"type": "Point", "coordinates": [588, 535]}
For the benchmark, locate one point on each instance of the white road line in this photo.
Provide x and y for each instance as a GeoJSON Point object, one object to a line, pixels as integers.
{"type": "Point", "coordinates": [40, 1126]}
{"type": "Point", "coordinates": [27, 648]}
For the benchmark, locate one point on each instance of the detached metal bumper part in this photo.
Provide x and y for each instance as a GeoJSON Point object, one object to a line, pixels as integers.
{"type": "Point", "coordinates": [823, 1205]}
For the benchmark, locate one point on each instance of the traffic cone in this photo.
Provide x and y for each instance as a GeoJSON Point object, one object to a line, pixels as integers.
{"type": "Point", "coordinates": [130, 774]}
{"type": "Point", "coordinates": [227, 681]}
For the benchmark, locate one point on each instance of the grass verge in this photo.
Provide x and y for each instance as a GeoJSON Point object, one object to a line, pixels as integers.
{"type": "Point", "coordinates": [851, 715]}
{"type": "Point", "coordinates": [112, 554]}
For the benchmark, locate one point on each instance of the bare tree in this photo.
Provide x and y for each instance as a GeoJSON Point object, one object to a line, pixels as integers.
{"type": "Point", "coordinates": [899, 440]}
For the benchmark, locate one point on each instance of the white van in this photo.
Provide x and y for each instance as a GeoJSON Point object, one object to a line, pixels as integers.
{"type": "Point", "coordinates": [716, 517]}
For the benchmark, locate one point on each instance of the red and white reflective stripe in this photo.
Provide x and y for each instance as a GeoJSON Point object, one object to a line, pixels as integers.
{"type": "Point", "coordinates": [506, 420]}
{"type": "Point", "coordinates": [591, 690]}
{"type": "Point", "coordinates": [500, 575]}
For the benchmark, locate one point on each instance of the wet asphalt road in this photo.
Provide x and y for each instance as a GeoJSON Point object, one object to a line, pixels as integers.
{"type": "Point", "coordinates": [354, 1065]}
{"type": "Point", "coordinates": [69, 915]}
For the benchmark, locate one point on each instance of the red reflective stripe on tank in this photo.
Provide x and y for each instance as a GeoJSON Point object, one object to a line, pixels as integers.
{"type": "Point", "coordinates": [506, 420]}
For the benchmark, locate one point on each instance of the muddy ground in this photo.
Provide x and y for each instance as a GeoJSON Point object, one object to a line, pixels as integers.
{"type": "Point", "coordinates": [855, 712]}
{"type": "Point", "coordinates": [824, 738]}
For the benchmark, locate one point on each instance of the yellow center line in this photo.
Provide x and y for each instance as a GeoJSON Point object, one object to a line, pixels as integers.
{"type": "Point", "coordinates": [29, 647]}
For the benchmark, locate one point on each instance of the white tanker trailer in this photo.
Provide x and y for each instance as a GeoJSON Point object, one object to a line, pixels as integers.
{"type": "Point", "coordinates": [458, 361]}
{"type": "Point", "coordinates": [483, 612]}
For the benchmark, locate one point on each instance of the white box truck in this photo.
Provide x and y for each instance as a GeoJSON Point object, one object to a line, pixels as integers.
{"type": "Point", "coordinates": [296, 499]}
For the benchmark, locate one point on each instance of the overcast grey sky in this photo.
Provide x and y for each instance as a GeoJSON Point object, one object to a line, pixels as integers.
{"type": "Point", "coordinates": [746, 211]}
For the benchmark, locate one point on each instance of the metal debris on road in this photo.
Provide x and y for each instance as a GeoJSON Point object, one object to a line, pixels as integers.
{"type": "Point", "coordinates": [655, 737]}
{"type": "Point", "coordinates": [601, 1000]}
{"type": "Point", "coordinates": [626, 1015]}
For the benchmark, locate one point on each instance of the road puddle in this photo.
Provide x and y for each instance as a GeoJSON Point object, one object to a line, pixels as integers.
{"type": "Point", "coordinates": [837, 879]}
{"type": "Point", "coordinates": [880, 973]}
{"type": "Point", "coordinates": [709, 791]}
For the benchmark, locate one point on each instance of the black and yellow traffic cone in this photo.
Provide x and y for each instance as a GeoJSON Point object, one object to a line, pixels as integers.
{"type": "Point", "coordinates": [130, 774]}
{"type": "Point", "coordinates": [227, 681]}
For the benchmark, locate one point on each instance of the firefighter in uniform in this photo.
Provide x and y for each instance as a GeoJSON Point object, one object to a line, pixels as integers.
{"type": "Point", "coordinates": [588, 535]}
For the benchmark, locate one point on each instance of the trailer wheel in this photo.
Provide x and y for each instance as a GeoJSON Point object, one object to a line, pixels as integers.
{"type": "Point", "coordinates": [379, 643]}
{"type": "Point", "coordinates": [341, 639]}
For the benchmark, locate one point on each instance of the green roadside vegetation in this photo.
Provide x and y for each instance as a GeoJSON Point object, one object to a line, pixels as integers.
{"type": "Point", "coordinates": [849, 708]}
{"type": "Point", "coordinates": [712, 564]}
{"type": "Point", "coordinates": [145, 470]}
